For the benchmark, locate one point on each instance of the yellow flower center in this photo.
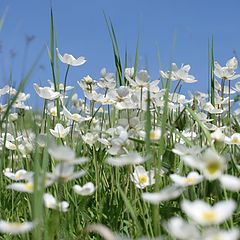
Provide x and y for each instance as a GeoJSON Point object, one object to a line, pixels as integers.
{"type": "Point", "coordinates": [213, 167]}
{"type": "Point", "coordinates": [29, 186]}
{"type": "Point", "coordinates": [190, 180]}
{"type": "Point", "coordinates": [209, 216]}
{"type": "Point", "coordinates": [75, 117]}
{"type": "Point", "coordinates": [154, 135]}
{"type": "Point", "coordinates": [142, 179]}
{"type": "Point", "coordinates": [15, 225]}
{"type": "Point", "coordinates": [235, 140]}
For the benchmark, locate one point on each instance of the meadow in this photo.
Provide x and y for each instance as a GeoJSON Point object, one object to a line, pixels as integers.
{"type": "Point", "coordinates": [123, 156]}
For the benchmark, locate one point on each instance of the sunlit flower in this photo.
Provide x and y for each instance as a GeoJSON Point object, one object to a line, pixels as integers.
{"type": "Point", "coordinates": [59, 131]}
{"type": "Point", "coordinates": [225, 88]}
{"type": "Point", "coordinates": [119, 140]}
{"type": "Point", "coordinates": [211, 109]}
{"type": "Point", "coordinates": [121, 97]}
{"type": "Point", "coordinates": [70, 60]}
{"type": "Point", "coordinates": [90, 138]}
{"type": "Point", "coordinates": [167, 193]}
{"type": "Point", "coordinates": [8, 141]}
{"type": "Point", "coordinates": [107, 80]}
{"type": "Point", "coordinates": [15, 227]}
{"type": "Point", "coordinates": [192, 178]}
{"type": "Point", "coordinates": [88, 84]}
{"type": "Point", "coordinates": [227, 72]}
{"type": "Point", "coordinates": [129, 72]}
{"type": "Point", "coordinates": [13, 117]}
{"type": "Point", "coordinates": [218, 135]}
{"type": "Point", "coordinates": [7, 90]}
{"type": "Point", "coordinates": [179, 74]}
{"type": "Point", "coordinates": [183, 150]}
{"type": "Point", "coordinates": [181, 229]}
{"type": "Point", "coordinates": [142, 178]}
{"type": "Point", "coordinates": [65, 154]}
{"type": "Point", "coordinates": [21, 174]}
{"type": "Point", "coordinates": [142, 79]}
{"type": "Point", "coordinates": [46, 92]}
{"type": "Point", "coordinates": [217, 234]}
{"type": "Point", "coordinates": [212, 164]}
{"type": "Point", "coordinates": [131, 158]}
{"type": "Point", "coordinates": [86, 190]}
{"type": "Point", "coordinates": [60, 86]}
{"type": "Point", "coordinates": [155, 134]}
{"type": "Point", "coordinates": [65, 172]}
{"type": "Point", "coordinates": [27, 187]}
{"type": "Point", "coordinates": [230, 182]}
{"type": "Point", "coordinates": [205, 214]}
{"type": "Point", "coordinates": [51, 202]}
{"type": "Point", "coordinates": [74, 116]}
{"type": "Point", "coordinates": [234, 139]}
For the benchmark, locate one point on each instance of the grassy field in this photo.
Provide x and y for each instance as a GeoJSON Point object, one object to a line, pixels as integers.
{"type": "Point", "coordinates": [121, 157]}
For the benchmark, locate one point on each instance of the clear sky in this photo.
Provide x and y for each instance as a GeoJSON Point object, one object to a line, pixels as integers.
{"type": "Point", "coordinates": [81, 30]}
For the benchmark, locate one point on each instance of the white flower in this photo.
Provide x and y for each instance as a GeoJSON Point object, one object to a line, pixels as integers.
{"type": "Point", "coordinates": [44, 140]}
{"type": "Point", "coordinates": [28, 186]}
{"type": "Point", "coordinates": [211, 109]}
{"type": "Point", "coordinates": [142, 79]}
{"type": "Point", "coordinates": [8, 140]}
{"type": "Point", "coordinates": [167, 193]}
{"type": "Point", "coordinates": [21, 174]}
{"type": "Point", "coordinates": [65, 154]}
{"type": "Point", "coordinates": [227, 72]}
{"type": "Point", "coordinates": [65, 172]}
{"type": "Point", "coordinates": [234, 139]}
{"type": "Point", "coordinates": [212, 164]}
{"type": "Point", "coordinates": [46, 92]}
{"type": "Point", "coordinates": [62, 153]}
{"type": "Point", "coordinates": [121, 96]}
{"type": "Point", "coordinates": [142, 178]}
{"type": "Point", "coordinates": [129, 72]}
{"type": "Point", "coordinates": [75, 116]}
{"type": "Point", "coordinates": [182, 150]}
{"type": "Point", "coordinates": [217, 234]}
{"type": "Point", "coordinates": [181, 229]}
{"type": "Point", "coordinates": [51, 202]}
{"type": "Point", "coordinates": [225, 88]}
{"type": "Point", "coordinates": [70, 60]}
{"type": "Point", "coordinates": [59, 131]}
{"type": "Point", "coordinates": [90, 138]}
{"type": "Point", "coordinates": [88, 84]}
{"type": "Point", "coordinates": [119, 140]}
{"type": "Point", "coordinates": [218, 135]}
{"type": "Point", "coordinates": [230, 182]}
{"type": "Point", "coordinates": [155, 134]}
{"type": "Point", "coordinates": [107, 80]}
{"type": "Point", "coordinates": [179, 74]}
{"type": "Point", "coordinates": [60, 86]}
{"type": "Point", "coordinates": [15, 227]}
{"type": "Point", "coordinates": [131, 158]}
{"type": "Point", "coordinates": [13, 117]}
{"type": "Point", "coordinates": [22, 187]}
{"type": "Point", "coordinates": [205, 214]}
{"type": "Point", "coordinates": [192, 178]}
{"type": "Point", "coordinates": [86, 190]}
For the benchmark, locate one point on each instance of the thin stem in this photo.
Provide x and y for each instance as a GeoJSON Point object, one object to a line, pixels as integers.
{"type": "Point", "coordinates": [65, 79]}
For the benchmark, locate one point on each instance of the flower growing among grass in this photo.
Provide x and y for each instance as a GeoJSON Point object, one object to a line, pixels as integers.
{"type": "Point", "coordinates": [204, 214]}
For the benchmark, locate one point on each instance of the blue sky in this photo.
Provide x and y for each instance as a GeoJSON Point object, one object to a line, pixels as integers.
{"type": "Point", "coordinates": [81, 30]}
